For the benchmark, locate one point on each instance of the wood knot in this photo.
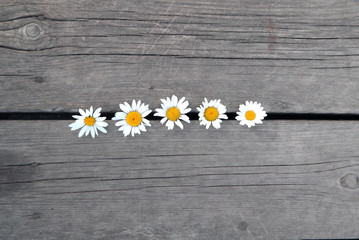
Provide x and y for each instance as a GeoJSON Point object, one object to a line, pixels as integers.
{"type": "Point", "coordinates": [32, 31]}
{"type": "Point", "coordinates": [243, 226]}
{"type": "Point", "coordinates": [35, 216]}
{"type": "Point", "coordinates": [41, 17]}
{"type": "Point", "coordinates": [38, 79]}
{"type": "Point", "coordinates": [350, 181]}
{"type": "Point", "coordinates": [35, 164]}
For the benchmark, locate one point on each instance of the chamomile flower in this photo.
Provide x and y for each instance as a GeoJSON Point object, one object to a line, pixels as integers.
{"type": "Point", "coordinates": [89, 121]}
{"type": "Point", "coordinates": [211, 113]}
{"type": "Point", "coordinates": [250, 114]}
{"type": "Point", "coordinates": [173, 111]}
{"type": "Point", "coordinates": [132, 118]}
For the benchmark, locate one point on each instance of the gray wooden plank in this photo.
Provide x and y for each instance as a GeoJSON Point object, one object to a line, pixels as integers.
{"type": "Point", "coordinates": [281, 180]}
{"type": "Point", "coordinates": [293, 56]}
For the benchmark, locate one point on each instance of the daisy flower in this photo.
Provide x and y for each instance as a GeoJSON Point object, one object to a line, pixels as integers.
{"type": "Point", "coordinates": [132, 118]}
{"type": "Point", "coordinates": [89, 121]}
{"type": "Point", "coordinates": [211, 113]}
{"type": "Point", "coordinates": [250, 114]}
{"type": "Point", "coordinates": [173, 111]}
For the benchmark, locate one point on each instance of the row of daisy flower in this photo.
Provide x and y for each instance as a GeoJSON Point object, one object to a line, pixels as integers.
{"type": "Point", "coordinates": [132, 119]}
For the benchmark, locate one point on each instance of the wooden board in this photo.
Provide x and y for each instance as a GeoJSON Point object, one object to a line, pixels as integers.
{"type": "Point", "coordinates": [293, 56]}
{"type": "Point", "coordinates": [281, 180]}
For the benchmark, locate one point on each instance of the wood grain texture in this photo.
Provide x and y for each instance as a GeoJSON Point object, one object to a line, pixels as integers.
{"type": "Point", "coordinates": [281, 180]}
{"type": "Point", "coordinates": [293, 56]}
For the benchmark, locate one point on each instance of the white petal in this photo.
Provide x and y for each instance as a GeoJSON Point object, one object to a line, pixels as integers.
{"type": "Point", "coordinates": [92, 132]}
{"type": "Point", "coordinates": [223, 116]}
{"type": "Point", "coordinates": [91, 111]}
{"type": "Point", "coordinates": [97, 113]}
{"type": "Point", "coordinates": [178, 123]}
{"type": "Point", "coordinates": [160, 112]}
{"type": "Point", "coordinates": [174, 100]}
{"type": "Point", "coordinates": [168, 103]}
{"type": "Point", "coordinates": [95, 128]}
{"type": "Point", "coordinates": [170, 125]}
{"type": "Point", "coordinates": [142, 128]}
{"type": "Point", "coordinates": [121, 123]}
{"type": "Point", "coordinates": [181, 101]}
{"type": "Point", "coordinates": [122, 128]}
{"type": "Point", "coordinates": [88, 130]}
{"type": "Point", "coordinates": [115, 118]}
{"type": "Point", "coordinates": [146, 122]}
{"type": "Point", "coordinates": [242, 108]}
{"type": "Point", "coordinates": [134, 105]}
{"type": "Point", "coordinates": [206, 101]}
{"type": "Point", "coordinates": [100, 119]}
{"type": "Point", "coordinates": [82, 131]}
{"type": "Point", "coordinates": [184, 106]}
{"type": "Point", "coordinates": [142, 108]}
{"type": "Point", "coordinates": [208, 124]}
{"type": "Point", "coordinates": [186, 111]}
{"type": "Point", "coordinates": [138, 105]}
{"type": "Point", "coordinates": [146, 113]}
{"type": "Point", "coordinates": [164, 101]}
{"type": "Point", "coordinates": [133, 131]}
{"type": "Point", "coordinates": [77, 116]}
{"type": "Point", "coordinates": [121, 115]}
{"type": "Point", "coordinates": [102, 124]}
{"type": "Point", "coordinates": [185, 118]}
{"type": "Point", "coordinates": [82, 112]}
{"type": "Point", "coordinates": [221, 108]}
{"type": "Point", "coordinates": [125, 107]}
{"type": "Point", "coordinates": [127, 130]}
{"type": "Point", "coordinates": [76, 125]}
{"type": "Point", "coordinates": [163, 120]}
{"type": "Point", "coordinates": [203, 122]}
{"type": "Point", "coordinates": [101, 129]}
{"type": "Point", "coordinates": [73, 124]}
{"type": "Point", "coordinates": [137, 130]}
{"type": "Point", "coordinates": [216, 124]}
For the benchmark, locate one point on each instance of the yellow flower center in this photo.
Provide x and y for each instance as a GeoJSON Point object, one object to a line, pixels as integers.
{"type": "Point", "coordinates": [134, 118]}
{"type": "Point", "coordinates": [89, 121]}
{"type": "Point", "coordinates": [173, 114]}
{"type": "Point", "coordinates": [250, 115]}
{"type": "Point", "coordinates": [211, 113]}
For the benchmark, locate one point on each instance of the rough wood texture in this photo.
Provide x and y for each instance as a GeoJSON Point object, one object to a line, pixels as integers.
{"type": "Point", "coordinates": [294, 56]}
{"type": "Point", "coordinates": [282, 180]}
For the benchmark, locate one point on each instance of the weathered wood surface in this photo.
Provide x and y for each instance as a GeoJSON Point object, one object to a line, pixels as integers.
{"type": "Point", "coordinates": [294, 56]}
{"type": "Point", "coordinates": [282, 180]}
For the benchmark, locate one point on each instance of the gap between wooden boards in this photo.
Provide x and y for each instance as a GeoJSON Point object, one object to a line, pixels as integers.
{"type": "Point", "coordinates": [191, 115]}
